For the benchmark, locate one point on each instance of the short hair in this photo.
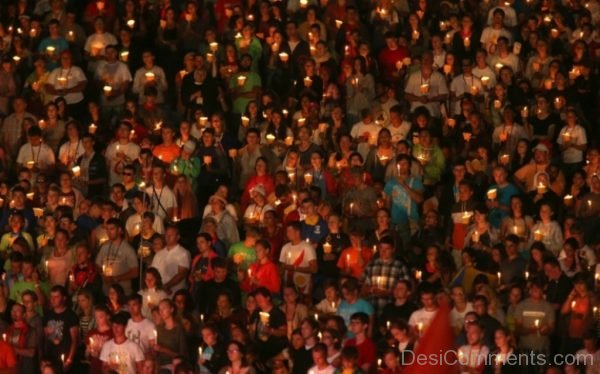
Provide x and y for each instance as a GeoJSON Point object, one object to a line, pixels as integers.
{"type": "Point", "coordinates": [120, 318]}
{"type": "Point", "coordinates": [362, 317]}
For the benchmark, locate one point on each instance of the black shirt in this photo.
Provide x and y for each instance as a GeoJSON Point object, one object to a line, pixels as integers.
{"type": "Point", "coordinates": [59, 326]}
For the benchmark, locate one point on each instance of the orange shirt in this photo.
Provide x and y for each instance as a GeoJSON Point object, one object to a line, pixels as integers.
{"type": "Point", "coordinates": [166, 153]}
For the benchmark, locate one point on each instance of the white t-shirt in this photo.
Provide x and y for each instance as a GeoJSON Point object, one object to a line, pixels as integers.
{"type": "Point", "coordinates": [591, 360]}
{"type": "Point", "coordinates": [461, 85]}
{"type": "Point", "coordinates": [457, 319]}
{"type": "Point", "coordinates": [400, 132]}
{"type": "Point", "coordinates": [127, 354]}
{"type": "Point", "coordinates": [510, 16]}
{"type": "Point", "coordinates": [485, 72]}
{"type": "Point", "coordinates": [114, 74]}
{"type": "Point", "coordinates": [140, 333]}
{"type": "Point", "coordinates": [421, 316]}
{"type": "Point", "coordinates": [165, 196]}
{"type": "Point", "coordinates": [490, 36]}
{"type": "Point", "coordinates": [361, 129]}
{"type": "Point", "coordinates": [577, 136]}
{"type": "Point", "coordinates": [328, 370]}
{"type": "Point", "coordinates": [168, 262]}
{"type": "Point", "coordinates": [96, 43]}
{"type": "Point", "coordinates": [131, 151]}
{"type": "Point", "coordinates": [41, 155]}
{"type": "Point", "coordinates": [139, 82]}
{"type": "Point", "coordinates": [437, 86]}
{"type": "Point", "coordinates": [70, 152]}
{"type": "Point", "coordinates": [290, 254]}
{"type": "Point", "coordinates": [509, 60]}
{"type": "Point", "coordinates": [69, 78]}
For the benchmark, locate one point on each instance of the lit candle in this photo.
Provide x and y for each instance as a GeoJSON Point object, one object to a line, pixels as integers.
{"type": "Point", "coordinates": [388, 324]}
{"type": "Point", "coordinates": [283, 57]}
{"type": "Point", "coordinates": [241, 80]}
{"type": "Point", "coordinates": [420, 327]}
{"type": "Point", "coordinates": [92, 128]}
{"type": "Point", "coordinates": [492, 194]}
{"type": "Point", "coordinates": [526, 275]}
{"type": "Point", "coordinates": [499, 275]}
{"type": "Point", "coordinates": [149, 76]}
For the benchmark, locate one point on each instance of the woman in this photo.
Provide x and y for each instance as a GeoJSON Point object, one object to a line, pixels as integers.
{"type": "Point", "coordinates": [152, 292]}
{"type": "Point", "coordinates": [262, 273]}
{"type": "Point", "coordinates": [319, 176]}
{"type": "Point", "coordinates": [430, 270]}
{"type": "Point", "coordinates": [143, 240]}
{"type": "Point", "coordinates": [277, 133]}
{"type": "Point", "coordinates": [517, 222]}
{"type": "Point", "coordinates": [333, 340]}
{"type": "Point", "coordinates": [85, 312]}
{"type": "Point", "coordinates": [227, 230]}
{"type": "Point", "coordinates": [23, 339]}
{"type": "Point", "coordinates": [48, 231]}
{"type": "Point", "coordinates": [504, 354]}
{"type": "Point", "coordinates": [59, 261]}
{"type": "Point", "coordinates": [522, 155]}
{"type": "Point", "coordinates": [211, 353]}
{"type": "Point", "coordinates": [170, 342]}
{"type": "Point", "coordinates": [72, 149]}
{"type": "Point", "coordinates": [360, 89]}
{"type": "Point", "coordinates": [569, 259]}
{"type": "Point", "coordinates": [236, 353]}
{"type": "Point", "coordinates": [294, 311]}
{"type": "Point", "coordinates": [403, 342]}
{"type": "Point", "coordinates": [578, 308]}
{"type": "Point", "coordinates": [379, 157]}
{"type": "Point", "coordinates": [34, 86]}
{"type": "Point", "coordinates": [460, 307]}
{"type": "Point", "coordinates": [96, 337]}
{"type": "Point", "coordinates": [168, 33]}
{"type": "Point", "coordinates": [547, 230]}
{"type": "Point", "coordinates": [52, 126]}
{"type": "Point", "coordinates": [481, 234]}
{"type": "Point", "coordinates": [544, 124]}
{"type": "Point", "coordinates": [116, 300]}
{"type": "Point", "coordinates": [187, 208]}
{"type": "Point", "coordinates": [261, 177]}
{"type": "Point", "coordinates": [251, 119]}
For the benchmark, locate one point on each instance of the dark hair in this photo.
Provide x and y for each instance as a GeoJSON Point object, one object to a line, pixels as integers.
{"type": "Point", "coordinates": [120, 318]}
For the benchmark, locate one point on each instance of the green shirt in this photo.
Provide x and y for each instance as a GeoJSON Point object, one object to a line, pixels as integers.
{"type": "Point", "coordinates": [241, 101]}
{"type": "Point", "coordinates": [242, 255]}
{"type": "Point", "coordinates": [19, 287]}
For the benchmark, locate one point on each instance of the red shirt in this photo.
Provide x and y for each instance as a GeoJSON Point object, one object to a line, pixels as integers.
{"type": "Point", "coordinates": [366, 351]}
{"type": "Point", "coordinates": [266, 181]}
{"type": "Point", "coordinates": [389, 58]}
{"type": "Point", "coordinates": [266, 274]}
{"type": "Point", "coordinates": [8, 359]}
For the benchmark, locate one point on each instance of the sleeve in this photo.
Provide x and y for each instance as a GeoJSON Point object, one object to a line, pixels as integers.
{"type": "Point", "coordinates": [309, 253]}
{"type": "Point", "coordinates": [105, 352]}
{"type": "Point", "coordinates": [138, 354]}
{"type": "Point", "coordinates": [583, 137]}
{"type": "Point", "coordinates": [184, 260]}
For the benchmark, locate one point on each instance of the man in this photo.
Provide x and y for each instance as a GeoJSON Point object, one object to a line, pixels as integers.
{"type": "Point", "coordinates": [164, 202]}
{"type": "Point", "coordinates": [221, 283]}
{"type": "Point", "coordinates": [489, 323]}
{"type": "Point", "coordinates": [464, 84]}
{"type": "Point", "coordinates": [504, 191]}
{"type": "Point", "coordinates": [244, 86]}
{"type": "Point", "coordinates": [526, 175]}
{"type": "Point", "coordinates": [359, 325]}
{"type": "Point", "coordinates": [133, 224]}
{"type": "Point", "coordinates": [381, 274]}
{"type": "Point", "coordinates": [399, 127]}
{"type": "Point", "coordinates": [403, 194]}
{"type": "Point", "coordinates": [150, 75]}
{"type": "Point", "coordinates": [61, 328]}
{"type": "Point", "coordinates": [314, 227]}
{"type": "Point", "coordinates": [29, 282]}
{"type": "Point", "coordinates": [18, 205]}
{"type": "Point", "coordinates": [268, 326]}
{"type": "Point", "coordinates": [514, 266]}
{"type": "Point", "coordinates": [535, 319]}
{"type": "Point", "coordinates": [114, 80]}
{"type": "Point", "coordinates": [243, 253]}
{"type": "Point", "coordinates": [168, 150]}
{"type": "Point", "coordinates": [36, 155]}
{"type": "Point", "coordinates": [96, 43]}
{"type": "Point", "coordinates": [139, 330]}
{"type": "Point", "coordinates": [54, 44]}
{"type": "Point", "coordinates": [472, 356]}
{"type": "Point", "coordinates": [93, 174]}
{"type": "Point", "coordinates": [391, 55]}
{"type": "Point", "coordinates": [426, 87]}
{"type": "Point", "coordinates": [360, 201]}
{"type": "Point", "coordinates": [298, 260]}
{"type": "Point", "coordinates": [116, 258]}
{"type": "Point", "coordinates": [12, 126]}
{"type": "Point", "coordinates": [491, 34]}
{"type": "Point", "coordinates": [121, 354]}
{"type": "Point", "coordinates": [173, 262]}
{"type": "Point", "coordinates": [121, 152]}
{"type": "Point", "coordinates": [352, 304]}
{"type": "Point", "coordinates": [67, 81]}
{"type": "Point", "coordinates": [420, 319]}
{"type": "Point", "coordinates": [401, 306]}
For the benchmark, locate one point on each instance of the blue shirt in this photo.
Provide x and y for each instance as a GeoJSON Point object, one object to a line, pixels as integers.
{"type": "Point", "coordinates": [315, 233]}
{"type": "Point", "coordinates": [503, 195]}
{"type": "Point", "coordinates": [346, 310]}
{"type": "Point", "coordinates": [403, 207]}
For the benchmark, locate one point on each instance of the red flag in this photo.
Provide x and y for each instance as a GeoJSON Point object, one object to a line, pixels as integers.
{"type": "Point", "coordinates": [437, 344]}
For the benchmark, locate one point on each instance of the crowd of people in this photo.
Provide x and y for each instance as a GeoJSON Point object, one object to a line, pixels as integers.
{"type": "Point", "coordinates": [299, 186]}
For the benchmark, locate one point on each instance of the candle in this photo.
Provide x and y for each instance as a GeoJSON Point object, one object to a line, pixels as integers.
{"type": "Point", "coordinates": [62, 358]}
{"type": "Point", "coordinates": [448, 38]}
{"type": "Point", "coordinates": [418, 275]}
{"type": "Point", "coordinates": [301, 121]}
{"type": "Point", "coordinates": [573, 304]}
{"type": "Point", "coordinates": [467, 42]}
{"type": "Point", "coordinates": [264, 317]}
{"type": "Point", "coordinates": [499, 275]}
{"type": "Point", "coordinates": [30, 195]}
{"type": "Point", "coordinates": [124, 56]}
{"type": "Point", "coordinates": [541, 188]}
{"type": "Point", "coordinates": [317, 317]}
{"type": "Point", "coordinates": [416, 34]}
{"type": "Point", "coordinates": [348, 259]}
{"type": "Point", "coordinates": [308, 178]}
{"type": "Point", "coordinates": [155, 334]}
{"type": "Point", "coordinates": [537, 323]}
{"type": "Point", "coordinates": [149, 76]}
{"type": "Point", "coordinates": [131, 23]}
{"type": "Point", "coordinates": [420, 327]}
{"type": "Point", "coordinates": [388, 324]}
{"type": "Point", "coordinates": [283, 57]}
{"type": "Point", "coordinates": [485, 80]}
{"type": "Point", "coordinates": [505, 159]}
{"type": "Point", "coordinates": [4, 337]}
{"type": "Point", "coordinates": [76, 170]}
{"type": "Point", "coordinates": [492, 194]}
{"type": "Point", "coordinates": [351, 208]}
{"type": "Point", "coordinates": [338, 23]}
{"type": "Point", "coordinates": [424, 89]}
{"type": "Point", "coordinates": [16, 59]}
{"type": "Point", "coordinates": [241, 80]}
{"type": "Point", "coordinates": [566, 137]}
{"type": "Point", "coordinates": [307, 82]}
{"type": "Point", "coordinates": [475, 236]}
{"type": "Point", "coordinates": [526, 275]}
{"type": "Point", "coordinates": [50, 49]}
{"type": "Point", "coordinates": [199, 351]}
{"type": "Point", "coordinates": [214, 46]}
{"type": "Point", "coordinates": [92, 128]}
{"type": "Point", "coordinates": [107, 90]}
{"type": "Point", "coordinates": [327, 248]}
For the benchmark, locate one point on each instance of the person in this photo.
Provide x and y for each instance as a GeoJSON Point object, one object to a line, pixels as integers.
{"type": "Point", "coordinates": [297, 259]}
{"type": "Point", "coordinates": [173, 262]}
{"type": "Point", "coordinates": [96, 337]}
{"type": "Point", "coordinates": [139, 329]}
{"type": "Point", "coordinates": [471, 357]}
{"type": "Point", "coordinates": [61, 328]}
{"type": "Point", "coordinates": [116, 258]}
{"type": "Point", "coordinates": [534, 328]}
{"type": "Point", "coordinates": [120, 353]}
{"type": "Point", "coordinates": [23, 338]}
{"type": "Point", "coordinates": [268, 326]}
{"type": "Point", "coordinates": [359, 325]}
